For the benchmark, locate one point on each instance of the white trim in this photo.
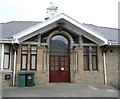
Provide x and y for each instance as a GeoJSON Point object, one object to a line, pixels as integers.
{"type": "Point", "coordinates": [6, 41]}
{"type": "Point", "coordinates": [29, 43]}
{"type": "Point", "coordinates": [2, 57]}
{"type": "Point", "coordinates": [53, 20]}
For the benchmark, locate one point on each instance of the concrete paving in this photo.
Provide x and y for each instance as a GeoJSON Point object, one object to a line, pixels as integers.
{"type": "Point", "coordinates": [61, 90]}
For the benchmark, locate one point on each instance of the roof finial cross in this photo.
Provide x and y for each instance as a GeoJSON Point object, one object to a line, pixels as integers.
{"type": "Point", "coordinates": [52, 10]}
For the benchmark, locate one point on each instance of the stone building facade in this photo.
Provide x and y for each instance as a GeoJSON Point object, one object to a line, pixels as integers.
{"type": "Point", "coordinates": [59, 50]}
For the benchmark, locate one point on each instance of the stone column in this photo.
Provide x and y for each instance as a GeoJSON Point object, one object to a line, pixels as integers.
{"type": "Point", "coordinates": [18, 59]}
{"type": "Point", "coordinates": [80, 59]}
{"type": "Point", "coordinates": [39, 59]}
{"type": "Point", "coordinates": [90, 59]}
{"type": "Point", "coordinates": [47, 60]}
{"type": "Point", "coordinates": [28, 59]}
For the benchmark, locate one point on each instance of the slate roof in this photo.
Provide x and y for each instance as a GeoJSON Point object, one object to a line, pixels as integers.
{"type": "Point", "coordinates": [13, 27]}
{"type": "Point", "coordinates": [110, 33]}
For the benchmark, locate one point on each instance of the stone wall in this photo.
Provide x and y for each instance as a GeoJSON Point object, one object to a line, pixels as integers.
{"type": "Point", "coordinates": [88, 77]}
{"type": "Point", "coordinates": [78, 75]}
{"type": "Point", "coordinates": [112, 65]}
{"type": "Point", "coordinates": [41, 74]}
{"type": "Point", "coordinates": [6, 83]}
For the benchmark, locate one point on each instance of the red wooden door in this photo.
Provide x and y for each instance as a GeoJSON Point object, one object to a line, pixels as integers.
{"type": "Point", "coordinates": [59, 59]}
{"type": "Point", "coordinates": [59, 68]}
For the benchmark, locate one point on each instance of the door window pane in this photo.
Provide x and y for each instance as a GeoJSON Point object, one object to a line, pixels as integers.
{"type": "Point", "coordinates": [56, 63]}
{"type": "Point", "coordinates": [66, 68]}
{"type": "Point", "coordinates": [56, 58]}
{"type": "Point", "coordinates": [56, 68]}
{"type": "Point", "coordinates": [52, 68]}
{"type": "Point", "coordinates": [62, 63]}
{"type": "Point", "coordinates": [52, 58]}
{"type": "Point", "coordinates": [52, 63]}
{"type": "Point", "coordinates": [62, 59]}
{"type": "Point", "coordinates": [66, 58]}
{"type": "Point", "coordinates": [66, 63]}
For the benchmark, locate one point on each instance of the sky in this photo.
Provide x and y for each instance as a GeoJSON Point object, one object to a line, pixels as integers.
{"type": "Point", "coordinates": [98, 12]}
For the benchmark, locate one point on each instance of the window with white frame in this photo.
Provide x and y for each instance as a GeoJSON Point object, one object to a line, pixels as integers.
{"type": "Point", "coordinates": [24, 55]}
{"type": "Point", "coordinates": [33, 56]}
{"type": "Point", "coordinates": [6, 56]}
{"type": "Point", "coordinates": [94, 58]}
{"type": "Point", "coordinates": [86, 58]}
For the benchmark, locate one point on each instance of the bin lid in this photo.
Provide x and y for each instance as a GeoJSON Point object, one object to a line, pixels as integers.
{"type": "Point", "coordinates": [29, 72]}
{"type": "Point", "coordinates": [23, 73]}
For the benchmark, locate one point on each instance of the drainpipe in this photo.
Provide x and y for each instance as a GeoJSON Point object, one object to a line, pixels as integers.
{"type": "Point", "coordinates": [104, 61]}
{"type": "Point", "coordinates": [105, 71]}
{"type": "Point", "coordinates": [14, 68]}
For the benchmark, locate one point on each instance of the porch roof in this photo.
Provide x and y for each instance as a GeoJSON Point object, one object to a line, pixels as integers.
{"type": "Point", "coordinates": [19, 29]}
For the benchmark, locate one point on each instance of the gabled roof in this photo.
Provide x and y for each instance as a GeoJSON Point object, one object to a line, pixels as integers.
{"type": "Point", "coordinates": [20, 29]}
{"type": "Point", "coordinates": [70, 24]}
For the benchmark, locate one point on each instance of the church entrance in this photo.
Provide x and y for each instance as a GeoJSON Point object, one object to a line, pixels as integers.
{"type": "Point", "coordinates": [59, 59]}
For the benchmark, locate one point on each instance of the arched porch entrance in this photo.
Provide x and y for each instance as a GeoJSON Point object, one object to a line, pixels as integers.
{"type": "Point", "coordinates": [59, 69]}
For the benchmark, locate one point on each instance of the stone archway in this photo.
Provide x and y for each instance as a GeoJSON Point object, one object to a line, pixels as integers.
{"type": "Point", "coordinates": [64, 33]}
{"type": "Point", "coordinates": [59, 69]}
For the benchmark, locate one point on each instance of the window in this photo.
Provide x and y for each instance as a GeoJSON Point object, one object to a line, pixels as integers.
{"type": "Point", "coordinates": [33, 55]}
{"type": "Point", "coordinates": [24, 58]}
{"type": "Point", "coordinates": [94, 58]}
{"type": "Point", "coordinates": [86, 58]}
{"type": "Point", "coordinates": [6, 57]}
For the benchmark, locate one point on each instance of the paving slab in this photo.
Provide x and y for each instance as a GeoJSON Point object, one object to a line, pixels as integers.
{"type": "Point", "coordinates": [61, 90]}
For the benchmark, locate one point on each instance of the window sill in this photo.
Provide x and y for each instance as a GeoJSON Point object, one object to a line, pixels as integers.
{"type": "Point", "coordinates": [7, 70]}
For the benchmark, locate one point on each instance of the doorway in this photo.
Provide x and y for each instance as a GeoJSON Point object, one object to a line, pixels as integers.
{"type": "Point", "coordinates": [59, 69]}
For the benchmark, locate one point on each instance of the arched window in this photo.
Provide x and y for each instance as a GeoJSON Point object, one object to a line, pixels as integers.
{"type": "Point", "coordinates": [59, 45]}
